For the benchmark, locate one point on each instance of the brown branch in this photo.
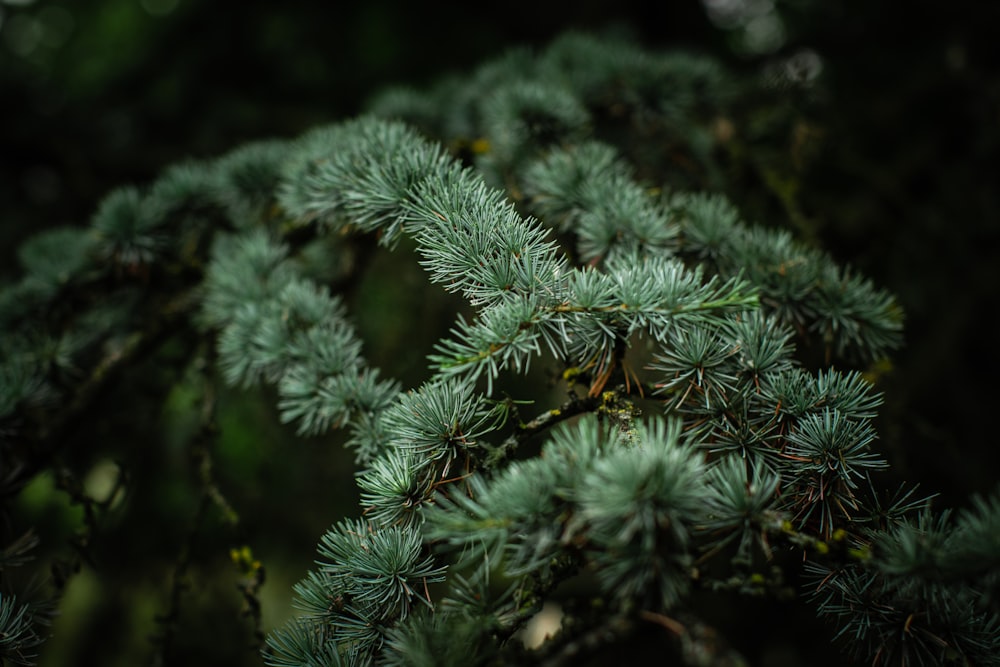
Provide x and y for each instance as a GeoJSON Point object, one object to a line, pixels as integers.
{"type": "Point", "coordinates": [524, 431]}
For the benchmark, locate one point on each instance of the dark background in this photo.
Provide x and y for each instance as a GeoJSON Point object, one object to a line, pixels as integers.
{"type": "Point", "coordinates": [99, 93]}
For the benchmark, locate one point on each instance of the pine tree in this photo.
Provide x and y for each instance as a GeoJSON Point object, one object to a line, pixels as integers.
{"type": "Point", "coordinates": [711, 430]}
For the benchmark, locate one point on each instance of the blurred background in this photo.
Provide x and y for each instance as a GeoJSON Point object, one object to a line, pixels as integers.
{"type": "Point", "coordinates": [903, 183]}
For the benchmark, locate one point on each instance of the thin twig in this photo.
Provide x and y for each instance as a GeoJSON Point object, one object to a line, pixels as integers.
{"type": "Point", "coordinates": [575, 406]}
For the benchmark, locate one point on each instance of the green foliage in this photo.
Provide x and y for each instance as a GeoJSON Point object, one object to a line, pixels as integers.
{"type": "Point", "coordinates": [692, 443]}
{"type": "Point", "coordinates": [18, 638]}
{"type": "Point", "coordinates": [916, 603]}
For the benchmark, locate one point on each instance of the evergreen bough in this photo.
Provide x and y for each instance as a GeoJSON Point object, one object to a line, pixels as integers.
{"type": "Point", "coordinates": [697, 440]}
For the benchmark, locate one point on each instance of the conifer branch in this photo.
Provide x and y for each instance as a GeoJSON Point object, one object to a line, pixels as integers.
{"type": "Point", "coordinates": [707, 451]}
{"type": "Point", "coordinates": [526, 430]}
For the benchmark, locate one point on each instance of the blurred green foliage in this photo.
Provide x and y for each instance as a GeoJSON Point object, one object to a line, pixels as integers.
{"type": "Point", "coordinates": [892, 165]}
